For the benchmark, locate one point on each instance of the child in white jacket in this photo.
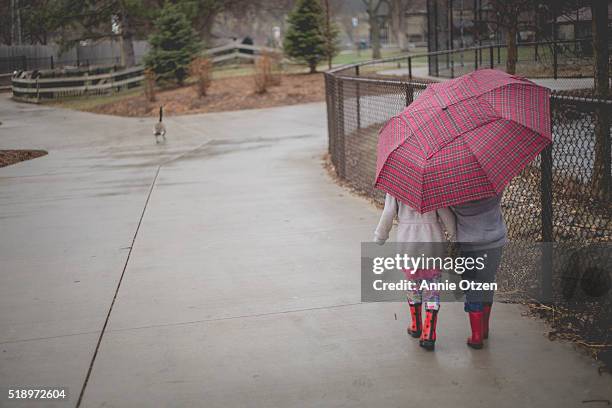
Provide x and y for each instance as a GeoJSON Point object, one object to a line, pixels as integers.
{"type": "Point", "coordinates": [414, 227]}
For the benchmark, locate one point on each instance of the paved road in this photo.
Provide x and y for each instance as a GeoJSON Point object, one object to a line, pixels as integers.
{"type": "Point", "coordinates": [221, 270]}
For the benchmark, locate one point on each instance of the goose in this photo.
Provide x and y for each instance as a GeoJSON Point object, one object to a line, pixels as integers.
{"type": "Point", "coordinates": [160, 129]}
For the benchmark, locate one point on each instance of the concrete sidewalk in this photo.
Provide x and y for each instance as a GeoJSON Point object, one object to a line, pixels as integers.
{"type": "Point", "coordinates": [234, 260]}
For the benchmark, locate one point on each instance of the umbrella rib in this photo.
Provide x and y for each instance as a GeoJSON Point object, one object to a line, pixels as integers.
{"type": "Point", "coordinates": [481, 164]}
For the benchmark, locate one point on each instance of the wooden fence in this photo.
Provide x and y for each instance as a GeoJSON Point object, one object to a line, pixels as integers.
{"type": "Point", "coordinates": [27, 88]}
{"type": "Point", "coordinates": [31, 57]}
{"type": "Point", "coordinates": [236, 51]}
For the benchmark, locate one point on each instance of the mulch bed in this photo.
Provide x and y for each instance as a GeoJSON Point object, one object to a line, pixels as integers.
{"type": "Point", "coordinates": [8, 157]}
{"type": "Point", "coordinates": [224, 94]}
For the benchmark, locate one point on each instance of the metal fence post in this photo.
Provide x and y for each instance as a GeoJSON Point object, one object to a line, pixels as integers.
{"type": "Point", "coordinates": [554, 59]}
{"type": "Point", "coordinates": [546, 166]}
{"type": "Point", "coordinates": [358, 98]}
{"type": "Point", "coordinates": [491, 61]}
{"type": "Point", "coordinates": [409, 94]}
{"type": "Point", "coordinates": [329, 105]}
{"type": "Point", "coordinates": [52, 64]}
{"type": "Point", "coordinates": [341, 149]}
{"type": "Point", "coordinates": [602, 165]}
{"type": "Point", "coordinates": [476, 58]}
{"type": "Point", "coordinates": [331, 115]}
{"type": "Point", "coordinates": [546, 194]}
{"type": "Point", "coordinates": [410, 67]}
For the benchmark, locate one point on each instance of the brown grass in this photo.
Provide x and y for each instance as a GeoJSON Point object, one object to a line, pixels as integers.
{"type": "Point", "coordinates": [201, 70]}
{"type": "Point", "coordinates": [225, 94]}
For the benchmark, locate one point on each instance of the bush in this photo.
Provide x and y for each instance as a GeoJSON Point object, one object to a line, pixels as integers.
{"type": "Point", "coordinates": [200, 69]}
{"type": "Point", "coordinates": [305, 39]}
{"type": "Point", "coordinates": [149, 84]}
{"type": "Point", "coordinates": [173, 45]}
{"type": "Point", "coordinates": [267, 72]}
{"type": "Point", "coordinates": [275, 68]}
{"type": "Point", "coordinates": [263, 70]}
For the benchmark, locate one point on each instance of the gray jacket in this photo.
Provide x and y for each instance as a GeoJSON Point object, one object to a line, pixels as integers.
{"type": "Point", "coordinates": [480, 224]}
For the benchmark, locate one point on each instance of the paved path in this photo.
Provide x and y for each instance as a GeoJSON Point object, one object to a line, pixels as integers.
{"type": "Point", "coordinates": [221, 270]}
{"type": "Point", "coordinates": [561, 84]}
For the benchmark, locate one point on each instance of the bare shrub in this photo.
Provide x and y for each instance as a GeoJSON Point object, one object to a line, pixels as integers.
{"type": "Point", "coordinates": [149, 84]}
{"type": "Point", "coordinates": [263, 69]}
{"type": "Point", "coordinates": [201, 70]}
{"type": "Point", "coordinates": [274, 78]}
{"type": "Point", "coordinates": [267, 71]}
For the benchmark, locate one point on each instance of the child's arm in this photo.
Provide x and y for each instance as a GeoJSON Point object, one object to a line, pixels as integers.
{"type": "Point", "coordinates": [449, 221]}
{"type": "Point", "coordinates": [386, 220]}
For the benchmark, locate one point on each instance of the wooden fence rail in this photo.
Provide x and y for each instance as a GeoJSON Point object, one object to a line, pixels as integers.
{"type": "Point", "coordinates": [32, 89]}
{"type": "Point", "coordinates": [237, 50]}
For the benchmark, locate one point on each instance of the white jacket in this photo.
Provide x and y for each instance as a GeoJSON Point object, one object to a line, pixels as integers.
{"type": "Point", "coordinates": [414, 226]}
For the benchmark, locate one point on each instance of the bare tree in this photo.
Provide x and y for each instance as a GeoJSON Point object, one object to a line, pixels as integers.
{"type": "Point", "coordinates": [328, 36]}
{"type": "Point", "coordinates": [509, 16]}
{"type": "Point", "coordinates": [601, 168]}
{"type": "Point", "coordinates": [398, 22]}
{"type": "Point", "coordinates": [375, 18]}
{"type": "Point", "coordinates": [80, 20]}
{"type": "Point", "coordinates": [507, 13]}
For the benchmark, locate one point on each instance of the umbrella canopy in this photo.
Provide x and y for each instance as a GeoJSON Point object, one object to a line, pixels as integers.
{"type": "Point", "coordinates": [463, 139]}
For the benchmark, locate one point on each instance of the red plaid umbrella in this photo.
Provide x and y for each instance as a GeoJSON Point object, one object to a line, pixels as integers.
{"type": "Point", "coordinates": [463, 139]}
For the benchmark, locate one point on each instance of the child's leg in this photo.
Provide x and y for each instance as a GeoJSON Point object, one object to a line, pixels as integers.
{"type": "Point", "coordinates": [431, 299]}
{"type": "Point", "coordinates": [414, 301]}
{"type": "Point", "coordinates": [415, 297]}
{"type": "Point", "coordinates": [478, 303]}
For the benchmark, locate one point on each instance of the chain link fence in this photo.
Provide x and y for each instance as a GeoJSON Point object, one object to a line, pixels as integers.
{"type": "Point", "coordinates": [558, 210]}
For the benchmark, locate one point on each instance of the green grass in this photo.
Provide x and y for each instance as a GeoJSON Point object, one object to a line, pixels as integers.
{"type": "Point", "coordinates": [227, 71]}
{"type": "Point", "coordinates": [90, 102]}
{"type": "Point", "coordinates": [365, 55]}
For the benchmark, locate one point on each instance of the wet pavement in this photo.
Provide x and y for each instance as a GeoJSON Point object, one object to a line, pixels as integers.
{"type": "Point", "coordinates": [222, 269]}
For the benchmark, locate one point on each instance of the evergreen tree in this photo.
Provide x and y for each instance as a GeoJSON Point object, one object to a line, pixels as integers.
{"type": "Point", "coordinates": [305, 39]}
{"type": "Point", "coordinates": [173, 46]}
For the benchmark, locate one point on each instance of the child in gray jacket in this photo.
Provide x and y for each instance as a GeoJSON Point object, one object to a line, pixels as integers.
{"type": "Point", "coordinates": [414, 227]}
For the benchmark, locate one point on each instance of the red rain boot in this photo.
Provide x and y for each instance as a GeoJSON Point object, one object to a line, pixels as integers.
{"type": "Point", "coordinates": [428, 337]}
{"type": "Point", "coordinates": [476, 322]}
{"type": "Point", "coordinates": [485, 320]}
{"type": "Point", "coordinates": [415, 321]}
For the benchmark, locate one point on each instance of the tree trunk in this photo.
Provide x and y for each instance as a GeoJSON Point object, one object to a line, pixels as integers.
{"type": "Point", "coordinates": [205, 24]}
{"type": "Point", "coordinates": [375, 36]}
{"type": "Point", "coordinates": [313, 67]}
{"type": "Point", "coordinates": [127, 46]}
{"type": "Point", "coordinates": [398, 24]}
{"type": "Point", "coordinates": [511, 47]}
{"type": "Point", "coordinates": [601, 182]}
{"type": "Point", "coordinates": [128, 59]}
{"type": "Point", "coordinates": [328, 37]}
{"type": "Point", "coordinates": [599, 9]}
